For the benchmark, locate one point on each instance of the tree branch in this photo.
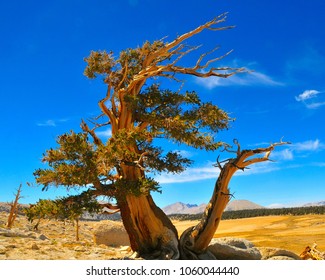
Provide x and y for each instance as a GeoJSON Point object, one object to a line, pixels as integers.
{"type": "Point", "coordinates": [86, 128]}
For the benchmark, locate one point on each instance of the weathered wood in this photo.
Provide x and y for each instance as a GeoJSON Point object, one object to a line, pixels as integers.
{"type": "Point", "coordinates": [195, 240]}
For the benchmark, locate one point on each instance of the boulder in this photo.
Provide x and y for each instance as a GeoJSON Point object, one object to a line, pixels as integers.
{"type": "Point", "coordinates": [233, 249]}
{"type": "Point", "coordinates": [270, 253]}
{"type": "Point", "coordinates": [111, 233]}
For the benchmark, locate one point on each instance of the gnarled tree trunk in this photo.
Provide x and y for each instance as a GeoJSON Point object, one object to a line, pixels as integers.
{"type": "Point", "coordinates": [195, 240]}
{"type": "Point", "coordinates": [151, 233]}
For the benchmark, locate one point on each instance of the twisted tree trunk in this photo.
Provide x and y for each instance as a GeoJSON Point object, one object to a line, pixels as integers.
{"type": "Point", "coordinates": [195, 240]}
{"type": "Point", "coordinates": [152, 235]}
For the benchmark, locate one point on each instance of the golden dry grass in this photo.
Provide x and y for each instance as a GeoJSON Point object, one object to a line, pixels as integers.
{"type": "Point", "coordinates": [293, 233]}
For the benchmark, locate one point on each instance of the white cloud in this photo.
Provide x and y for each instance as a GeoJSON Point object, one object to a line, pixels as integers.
{"type": "Point", "coordinates": [105, 133]}
{"type": "Point", "coordinates": [310, 145]}
{"type": "Point", "coordinates": [51, 122]}
{"type": "Point", "coordinates": [307, 94]}
{"type": "Point", "coordinates": [241, 79]}
{"type": "Point", "coordinates": [285, 154]}
{"type": "Point", "coordinates": [192, 174]}
{"type": "Point", "coordinates": [312, 99]}
{"type": "Point", "coordinates": [185, 153]}
{"type": "Point", "coordinates": [259, 168]}
{"type": "Point", "coordinates": [208, 171]}
{"type": "Point", "coordinates": [47, 123]}
{"type": "Point", "coordinates": [315, 105]}
{"type": "Point", "coordinates": [299, 147]}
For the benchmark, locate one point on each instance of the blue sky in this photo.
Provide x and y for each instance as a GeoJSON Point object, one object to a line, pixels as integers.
{"type": "Point", "coordinates": [43, 92]}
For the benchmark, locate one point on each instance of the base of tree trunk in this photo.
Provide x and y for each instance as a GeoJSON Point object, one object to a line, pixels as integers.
{"type": "Point", "coordinates": [152, 234]}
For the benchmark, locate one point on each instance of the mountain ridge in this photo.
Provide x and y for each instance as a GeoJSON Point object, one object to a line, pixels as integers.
{"type": "Point", "coordinates": [185, 208]}
{"type": "Point", "coordinates": [318, 203]}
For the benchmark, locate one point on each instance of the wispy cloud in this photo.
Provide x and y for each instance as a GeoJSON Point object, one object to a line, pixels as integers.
{"type": "Point", "coordinates": [192, 174]}
{"type": "Point", "coordinates": [47, 123]}
{"type": "Point", "coordinates": [51, 122]}
{"type": "Point", "coordinates": [307, 94]}
{"type": "Point", "coordinates": [105, 133]}
{"type": "Point", "coordinates": [243, 79]}
{"type": "Point", "coordinates": [185, 153]}
{"type": "Point", "coordinates": [310, 145]}
{"type": "Point", "coordinates": [286, 154]}
{"type": "Point", "coordinates": [208, 171]}
{"type": "Point", "coordinates": [312, 99]}
{"type": "Point", "coordinates": [249, 78]}
{"type": "Point", "coordinates": [300, 148]}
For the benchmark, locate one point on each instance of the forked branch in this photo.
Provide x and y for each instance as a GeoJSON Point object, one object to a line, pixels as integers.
{"type": "Point", "coordinates": [195, 240]}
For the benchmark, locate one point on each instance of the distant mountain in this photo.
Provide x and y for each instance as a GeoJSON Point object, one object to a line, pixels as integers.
{"type": "Point", "coordinates": [182, 208]}
{"type": "Point", "coordinates": [319, 203]}
{"type": "Point", "coordinates": [236, 205]}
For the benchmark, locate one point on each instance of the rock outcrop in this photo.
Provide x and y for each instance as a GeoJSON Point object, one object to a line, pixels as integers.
{"type": "Point", "coordinates": [233, 249]}
{"type": "Point", "coordinates": [242, 249]}
{"type": "Point", "coordinates": [111, 233]}
{"type": "Point", "coordinates": [270, 253]}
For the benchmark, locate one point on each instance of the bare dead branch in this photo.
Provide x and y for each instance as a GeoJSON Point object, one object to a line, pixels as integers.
{"type": "Point", "coordinates": [112, 207]}
{"type": "Point", "coordinates": [236, 142]}
{"type": "Point", "coordinates": [228, 194]}
{"type": "Point", "coordinates": [227, 147]}
{"type": "Point", "coordinates": [238, 167]}
{"type": "Point", "coordinates": [86, 128]}
{"type": "Point", "coordinates": [218, 163]}
{"type": "Point", "coordinates": [14, 208]}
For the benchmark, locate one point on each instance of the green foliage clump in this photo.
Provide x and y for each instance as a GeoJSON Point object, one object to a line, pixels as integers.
{"type": "Point", "coordinates": [67, 208]}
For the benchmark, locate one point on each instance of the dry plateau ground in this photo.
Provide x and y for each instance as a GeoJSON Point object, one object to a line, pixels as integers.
{"type": "Point", "coordinates": [292, 233]}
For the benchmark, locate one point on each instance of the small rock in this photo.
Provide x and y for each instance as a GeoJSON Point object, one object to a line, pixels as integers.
{"type": "Point", "coordinates": [233, 249]}
{"type": "Point", "coordinates": [269, 253]}
{"type": "Point", "coordinates": [34, 246]}
{"type": "Point", "coordinates": [43, 237]}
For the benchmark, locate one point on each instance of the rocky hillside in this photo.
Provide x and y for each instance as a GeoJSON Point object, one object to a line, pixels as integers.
{"type": "Point", "coordinates": [236, 205]}
{"type": "Point", "coordinates": [182, 208]}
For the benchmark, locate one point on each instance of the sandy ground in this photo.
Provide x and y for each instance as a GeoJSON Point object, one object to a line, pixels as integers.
{"type": "Point", "coordinates": [293, 233]}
